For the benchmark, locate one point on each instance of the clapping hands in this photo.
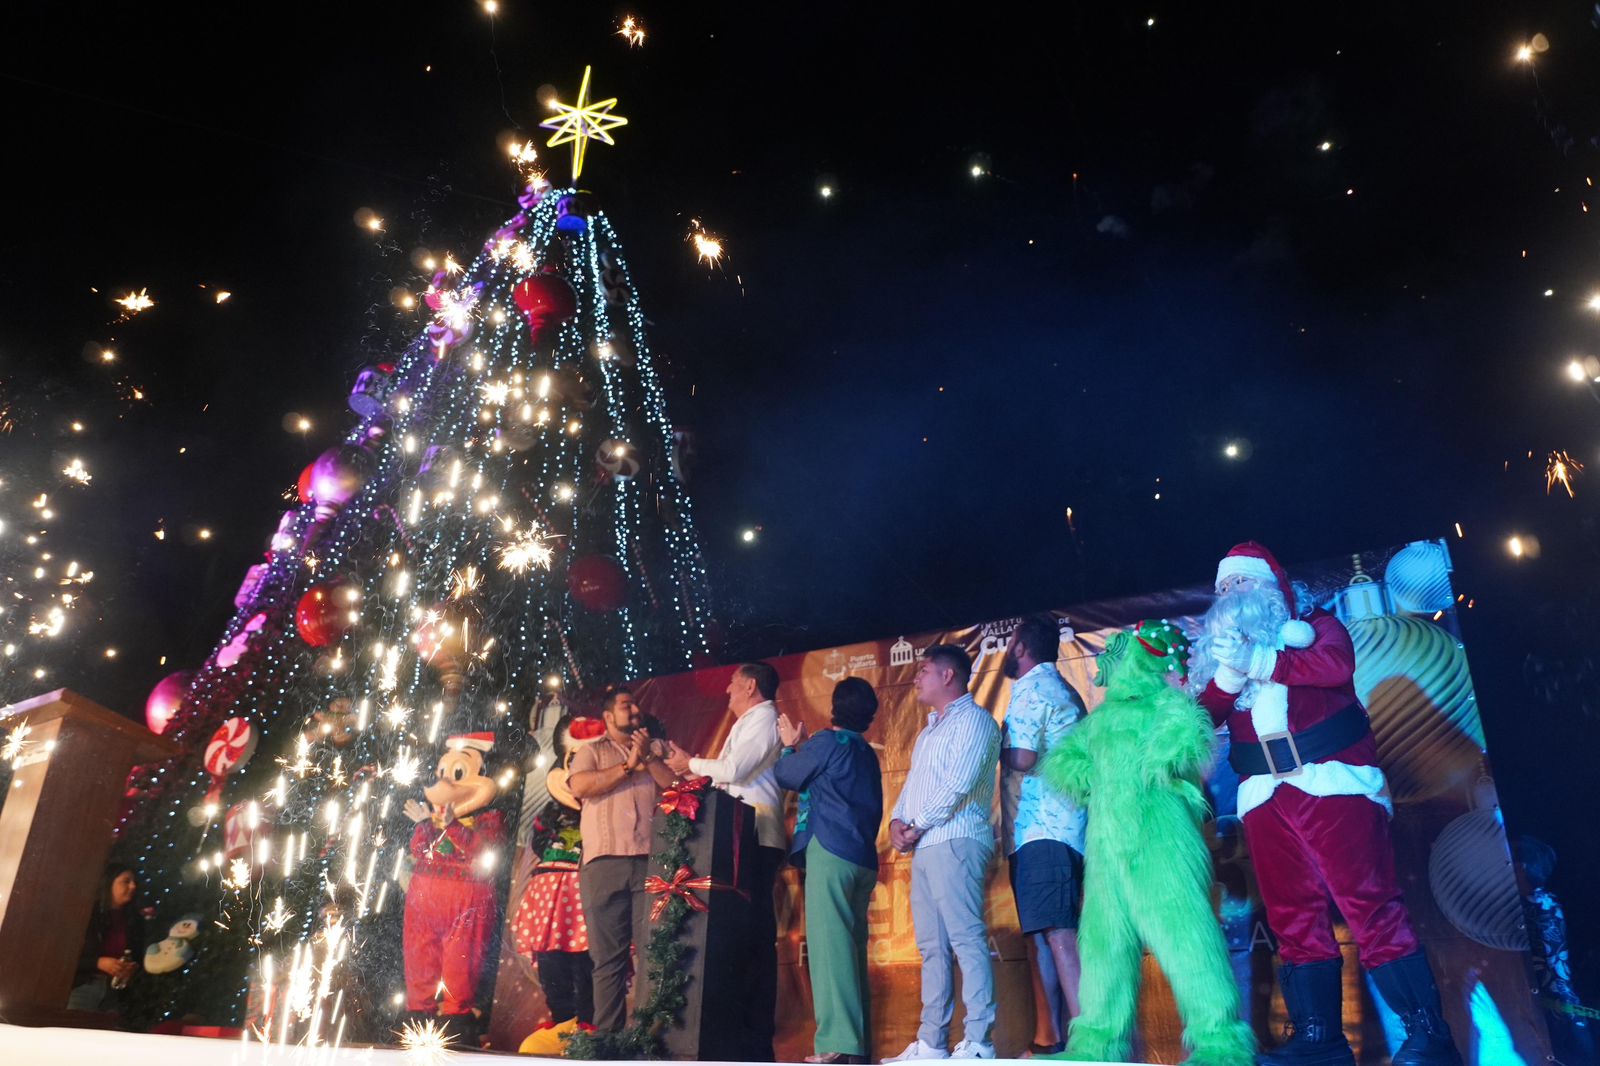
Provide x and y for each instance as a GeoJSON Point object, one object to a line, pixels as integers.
{"type": "Point", "coordinates": [638, 750]}
{"type": "Point", "coordinates": [1230, 649]}
{"type": "Point", "coordinates": [791, 732]}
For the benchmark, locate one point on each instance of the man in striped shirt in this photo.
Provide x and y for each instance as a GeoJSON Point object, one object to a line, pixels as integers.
{"type": "Point", "coordinates": [943, 819]}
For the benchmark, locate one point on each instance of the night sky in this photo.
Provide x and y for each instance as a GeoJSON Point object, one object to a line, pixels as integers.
{"type": "Point", "coordinates": [905, 385]}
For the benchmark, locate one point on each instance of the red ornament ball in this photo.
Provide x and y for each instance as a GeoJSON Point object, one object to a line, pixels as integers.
{"type": "Point", "coordinates": [323, 613]}
{"type": "Point", "coordinates": [165, 699]}
{"type": "Point", "coordinates": [597, 582]}
{"type": "Point", "coordinates": [304, 484]}
{"type": "Point", "coordinates": [546, 301]}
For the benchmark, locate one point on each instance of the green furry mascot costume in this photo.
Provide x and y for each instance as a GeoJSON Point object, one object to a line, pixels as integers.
{"type": "Point", "coordinates": [1147, 874]}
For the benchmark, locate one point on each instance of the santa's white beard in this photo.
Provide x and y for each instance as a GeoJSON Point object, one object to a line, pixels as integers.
{"type": "Point", "coordinates": [1256, 615]}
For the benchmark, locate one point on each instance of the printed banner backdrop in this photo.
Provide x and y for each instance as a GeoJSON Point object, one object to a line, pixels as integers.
{"type": "Point", "coordinates": [1452, 854]}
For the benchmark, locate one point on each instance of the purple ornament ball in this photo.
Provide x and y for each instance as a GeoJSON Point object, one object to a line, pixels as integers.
{"type": "Point", "coordinates": [166, 698]}
{"type": "Point", "coordinates": [338, 475]}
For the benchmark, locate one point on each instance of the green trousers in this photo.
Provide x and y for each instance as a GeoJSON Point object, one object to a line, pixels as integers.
{"type": "Point", "coordinates": [837, 893]}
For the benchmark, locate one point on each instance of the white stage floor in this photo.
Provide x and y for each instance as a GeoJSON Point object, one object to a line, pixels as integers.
{"type": "Point", "coordinates": [97, 1047]}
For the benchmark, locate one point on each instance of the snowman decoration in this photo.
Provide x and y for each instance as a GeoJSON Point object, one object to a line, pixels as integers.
{"type": "Point", "coordinates": [451, 906]}
{"type": "Point", "coordinates": [173, 953]}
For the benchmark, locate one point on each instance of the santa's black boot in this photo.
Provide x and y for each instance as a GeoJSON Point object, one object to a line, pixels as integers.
{"type": "Point", "coordinates": [1407, 986]}
{"type": "Point", "coordinates": [1314, 996]}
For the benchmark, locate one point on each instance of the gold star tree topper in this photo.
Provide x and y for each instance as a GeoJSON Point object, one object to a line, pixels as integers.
{"type": "Point", "coordinates": [580, 123]}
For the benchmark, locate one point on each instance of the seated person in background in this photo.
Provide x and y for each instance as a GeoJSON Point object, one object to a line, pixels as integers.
{"type": "Point", "coordinates": [112, 947]}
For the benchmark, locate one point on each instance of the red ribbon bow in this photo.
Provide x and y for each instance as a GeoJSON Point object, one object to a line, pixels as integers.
{"type": "Point", "coordinates": [684, 797]}
{"type": "Point", "coordinates": [681, 886]}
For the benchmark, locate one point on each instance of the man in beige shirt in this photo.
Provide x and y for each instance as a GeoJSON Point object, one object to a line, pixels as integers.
{"type": "Point", "coordinates": [616, 779]}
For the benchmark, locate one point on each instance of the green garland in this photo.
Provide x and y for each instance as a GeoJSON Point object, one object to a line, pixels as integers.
{"type": "Point", "coordinates": [663, 957]}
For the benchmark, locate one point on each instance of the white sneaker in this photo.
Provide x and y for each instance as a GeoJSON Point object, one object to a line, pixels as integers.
{"type": "Point", "coordinates": [918, 1050]}
{"type": "Point", "coordinates": [973, 1049]}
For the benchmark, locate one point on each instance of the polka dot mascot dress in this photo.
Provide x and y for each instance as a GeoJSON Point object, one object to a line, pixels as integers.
{"type": "Point", "coordinates": [549, 929]}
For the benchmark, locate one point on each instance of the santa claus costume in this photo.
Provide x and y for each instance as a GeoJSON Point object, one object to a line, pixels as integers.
{"type": "Point", "coordinates": [451, 907]}
{"type": "Point", "coordinates": [1316, 808]}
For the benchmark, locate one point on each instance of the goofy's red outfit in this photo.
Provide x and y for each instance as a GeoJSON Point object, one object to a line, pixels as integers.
{"type": "Point", "coordinates": [451, 911]}
{"type": "Point", "coordinates": [1316, 813]}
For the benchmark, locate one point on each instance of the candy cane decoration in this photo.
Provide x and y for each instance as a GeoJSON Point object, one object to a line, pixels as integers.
{"type": "Point", "coordinates": [230, 748]}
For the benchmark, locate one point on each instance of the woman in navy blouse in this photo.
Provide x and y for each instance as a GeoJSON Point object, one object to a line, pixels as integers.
{"type": "Point", "coordinates": [836, 840]}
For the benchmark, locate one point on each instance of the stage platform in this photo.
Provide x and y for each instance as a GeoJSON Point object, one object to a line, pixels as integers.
{"type": "Point", "coordinates": [99, 1047]}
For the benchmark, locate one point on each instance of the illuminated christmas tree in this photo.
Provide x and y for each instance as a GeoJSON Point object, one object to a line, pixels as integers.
{"type": "Point", "coordinates": [505, 520]}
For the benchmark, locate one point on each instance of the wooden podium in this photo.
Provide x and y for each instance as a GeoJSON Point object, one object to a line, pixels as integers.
{"type": "Point", "coordinates": [55, 834]}
{"type": "Point", "coordinates": [724, 832]}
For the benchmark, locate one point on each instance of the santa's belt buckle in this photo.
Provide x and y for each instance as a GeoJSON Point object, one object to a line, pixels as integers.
{"type": "Point", "coordinates": [1266, 743]}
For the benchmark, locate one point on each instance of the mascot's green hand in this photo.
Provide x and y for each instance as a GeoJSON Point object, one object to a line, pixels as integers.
{"type": "Point", "coordinates": [1183, 742]}
{"type": "Point", "coordinates": [1066, 768]}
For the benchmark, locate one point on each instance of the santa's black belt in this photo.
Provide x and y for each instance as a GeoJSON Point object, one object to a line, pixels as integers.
{"type": "Point", "coordinates": [1284, 754]}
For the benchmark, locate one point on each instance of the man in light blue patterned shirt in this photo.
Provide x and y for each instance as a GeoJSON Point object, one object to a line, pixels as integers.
{"type": "Point", "coordinates": [1043, 829]}
{"type": "Point", "coordinates": [943, 818]}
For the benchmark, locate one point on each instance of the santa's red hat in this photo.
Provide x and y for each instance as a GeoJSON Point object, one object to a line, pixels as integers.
{"type": "Point", "coordinates": [471, 742]}
{"type": "Point", "coordinates": [585, 730]}
{"type": "Point", "coordinates": [1253, 560]}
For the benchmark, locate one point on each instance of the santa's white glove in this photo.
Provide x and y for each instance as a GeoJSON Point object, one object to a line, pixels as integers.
{"type": "Point", "coordinates": [1229, 680]}
{"type": "Point", "coordinates": [1263, 661]}
{"type": "Point", "coordinates": [1226, 644]}
{"type": "Point", "coordinates": [1228, 647]}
